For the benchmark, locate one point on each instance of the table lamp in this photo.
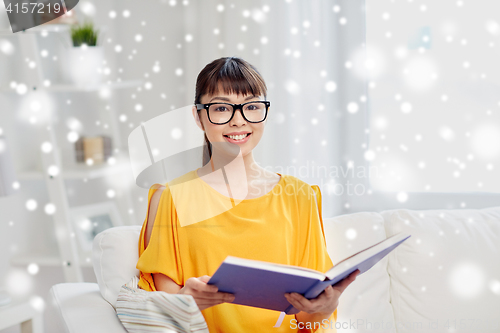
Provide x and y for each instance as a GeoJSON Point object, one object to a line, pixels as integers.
{"type": "Point", "coordinates": [7, 179]}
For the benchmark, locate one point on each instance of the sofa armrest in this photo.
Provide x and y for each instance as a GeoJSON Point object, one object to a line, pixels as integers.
{"type": "Point", "coordinates": [81, 308]}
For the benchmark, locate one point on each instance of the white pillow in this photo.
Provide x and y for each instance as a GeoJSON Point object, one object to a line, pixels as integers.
{"type": "Point", "coordinates": [446, 276]}
{"type": "Point", "coordinates": [365, 305]}
{"type": "Point", "coordinates": [115, 253]}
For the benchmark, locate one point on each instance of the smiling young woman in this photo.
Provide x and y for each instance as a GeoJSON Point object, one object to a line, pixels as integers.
{"type": "Point", "coordinates": [278, 220]}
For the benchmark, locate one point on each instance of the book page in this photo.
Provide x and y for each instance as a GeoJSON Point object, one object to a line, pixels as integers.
{"type": "Point", "coordinates": [272, 266]}
{"type": "Point", "coordinates": [369, 247]}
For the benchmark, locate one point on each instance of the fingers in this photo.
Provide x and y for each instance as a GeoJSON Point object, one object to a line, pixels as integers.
{"type": "Point", "coordinates": [200, 284]}
{"type": "Point", "coordinates": [342, 285]}
{"type": "Point", "coordinates": [215, 299]}
{"type": "Point", "coordinates": [300, 300]}
{"type": "Point", "coordinates": [313, 305]}
{"type": "Point", "coordinates": [206, 294]}
{"type": "Point", "coordinates": [330, 294]}
{"type": "Point", "coordinates": [204, 278]}
{"type": "Point", "coordinates": [218, 296]}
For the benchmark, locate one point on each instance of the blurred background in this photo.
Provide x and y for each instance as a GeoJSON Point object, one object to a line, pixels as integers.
{"type": "Point", "coordinates": [383, 104]}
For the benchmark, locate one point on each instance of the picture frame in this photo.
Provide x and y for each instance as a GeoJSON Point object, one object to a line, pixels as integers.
{"type": "Point", "coordinates": [89, 220]}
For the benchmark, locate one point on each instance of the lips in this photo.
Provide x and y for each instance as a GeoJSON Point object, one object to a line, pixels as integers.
{"type": "Point", "coordinates": [247, 134]}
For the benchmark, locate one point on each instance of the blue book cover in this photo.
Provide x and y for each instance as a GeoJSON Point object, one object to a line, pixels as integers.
{"type": "Point", "coordinates": [263, 284]}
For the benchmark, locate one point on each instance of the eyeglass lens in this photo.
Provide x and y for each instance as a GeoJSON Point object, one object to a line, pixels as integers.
{"type": "Point", "coordinates": [221, 113]}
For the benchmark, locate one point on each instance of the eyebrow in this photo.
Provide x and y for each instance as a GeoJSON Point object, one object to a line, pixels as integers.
{"type": "Point", "coordinates": [227, 99]}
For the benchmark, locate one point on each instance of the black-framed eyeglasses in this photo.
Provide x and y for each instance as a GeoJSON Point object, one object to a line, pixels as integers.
{"type": "Point", "coordinates": [221, 113]}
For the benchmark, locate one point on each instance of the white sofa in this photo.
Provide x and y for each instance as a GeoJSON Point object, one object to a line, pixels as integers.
{"type": "Point", "coordinates": [445, 278]}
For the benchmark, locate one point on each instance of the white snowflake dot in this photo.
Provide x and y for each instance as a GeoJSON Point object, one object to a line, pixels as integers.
{"type": "Point", "coordinates": [31, 204]}
{"type": "Point", "coordinates": [46, 147]}
{"type": "Point", "coordinates": [73, 136]}
{"type": "Point", "coordinates": [53, 170]}
{"type": "Point", "coordinates": [406, 107]}
{"type": "Point", "coordinates": [176, 133]}
{"type": "Point", "coordinates": [33, 268]}
{"type": "Point", "coordinates": [351, 233]}
{"type": "Point", "coordinates": [369, 155]}
{"type": "Point", "coordinates": [330, 86]}
{"type": "Point", "coordinates": [402, 197]}
{"type": "Point", "coordinates": [352, 107]}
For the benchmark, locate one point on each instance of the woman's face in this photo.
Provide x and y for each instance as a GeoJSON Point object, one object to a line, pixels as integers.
{"type": "Point", "coordinates": [218, 133]}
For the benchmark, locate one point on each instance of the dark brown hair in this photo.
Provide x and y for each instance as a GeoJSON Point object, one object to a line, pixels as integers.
{"type": "Point", "coordinates": [232, 75]}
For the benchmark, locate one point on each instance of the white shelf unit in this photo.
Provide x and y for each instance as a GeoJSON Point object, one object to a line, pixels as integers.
{"type": "Point", "coordinates": [42, 259]}
{"type": "Point", "coordinates": [81, 171]}
{"type": "Point", "coordinates": [72, 88]}
{"type": "Point", "coordinates": [68, 257]}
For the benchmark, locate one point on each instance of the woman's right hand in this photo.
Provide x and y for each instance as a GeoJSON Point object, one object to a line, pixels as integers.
{"type": "Point", "coordinates": [204, 294]}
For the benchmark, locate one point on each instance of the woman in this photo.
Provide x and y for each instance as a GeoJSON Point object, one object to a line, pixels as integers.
{"type": "Point", "coordinates": [278, 220]}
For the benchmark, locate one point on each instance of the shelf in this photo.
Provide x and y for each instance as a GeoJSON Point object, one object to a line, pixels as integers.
{"type": "Point", "coordinates": [75, 88]}
{"type": "Point", "coordinates": [48, 260]}
{"type": "Point", "coordinates": [37, 29]}
{"type": "Point", "coordinates": [80, 171]}
{"type": "Point", "coordinates": [30, 45]}
{"type": "Point", "coordinates": [111, 85]}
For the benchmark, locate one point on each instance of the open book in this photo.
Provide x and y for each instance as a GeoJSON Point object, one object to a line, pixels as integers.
{"type": "Point", "coordinates": [263, 284]}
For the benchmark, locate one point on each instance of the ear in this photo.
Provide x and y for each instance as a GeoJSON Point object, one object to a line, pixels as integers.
{"type": "Point", "coordinates": [197, 118]}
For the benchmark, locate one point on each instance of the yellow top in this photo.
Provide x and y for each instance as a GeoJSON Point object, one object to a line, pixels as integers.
{"type": "Point", "coordinates": [283, 226]}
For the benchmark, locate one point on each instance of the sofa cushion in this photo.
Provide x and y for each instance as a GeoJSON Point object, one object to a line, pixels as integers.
{"type": "Point", "coordinates": [115, 253]}
{"type": "Point", "coordinates": [81, 309]}
{"type": "Point", "coordinates": [365, 304]}
{"type": "Point", "coordinates": [446, 277]}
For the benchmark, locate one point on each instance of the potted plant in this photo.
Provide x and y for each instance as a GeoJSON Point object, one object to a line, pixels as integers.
{"type": "Point", "coordinates": [85, 57]}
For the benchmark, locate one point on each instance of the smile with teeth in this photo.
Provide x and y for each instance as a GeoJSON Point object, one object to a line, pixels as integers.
{"type": "Point", "coordinates": [238, 137]}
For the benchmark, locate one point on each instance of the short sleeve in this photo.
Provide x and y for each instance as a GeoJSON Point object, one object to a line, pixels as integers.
{"type": "Point", "coordinates": [162, 255]}
{"type": "Point", "coordinates": [315, 254]}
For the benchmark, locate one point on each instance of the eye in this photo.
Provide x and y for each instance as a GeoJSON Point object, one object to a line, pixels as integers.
{"type": "Point", "coordinates": [221, 108]}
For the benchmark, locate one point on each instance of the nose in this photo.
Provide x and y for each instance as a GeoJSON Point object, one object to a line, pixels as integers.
{"type": "Point", "coordinates": [238, 116]}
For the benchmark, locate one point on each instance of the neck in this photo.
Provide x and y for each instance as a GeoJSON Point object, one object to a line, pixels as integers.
{"type": "Point", "coordinates": [232, 166]}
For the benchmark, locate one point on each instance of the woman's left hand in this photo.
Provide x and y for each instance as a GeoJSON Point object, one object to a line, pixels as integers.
{"type": "Point", "coordinates": [326, 302]}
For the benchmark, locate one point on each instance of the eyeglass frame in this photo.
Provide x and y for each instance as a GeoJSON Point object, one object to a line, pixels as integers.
{"type": "Point", "coordinates": [200, 106]}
